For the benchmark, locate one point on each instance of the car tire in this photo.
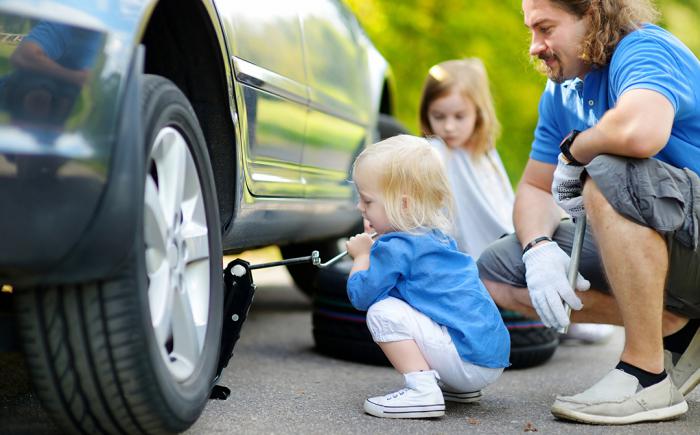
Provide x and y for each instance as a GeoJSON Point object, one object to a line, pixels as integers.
{"type": "Point", "coordinates": [305, 275]}
{"type": "Point", "coordinates": [531, 343]}
{"type": "Point", "coordinates": [137, 352]}
{"type": "Point", "coordinates": [340, 331]}
{"type": "Point", "coordinates": [388, 126]}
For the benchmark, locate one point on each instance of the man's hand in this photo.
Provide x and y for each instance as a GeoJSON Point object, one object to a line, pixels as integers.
{"type": "Point", "coordinates": [359, 245]}
{"type": "Point", "coordinates": [546, 268]}
{"type": "Point", "coordinates": [567, 188]}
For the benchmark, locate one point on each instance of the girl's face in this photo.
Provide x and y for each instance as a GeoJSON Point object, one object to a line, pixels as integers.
{"type": "Point", "coordinates": [452, 117]}
{"type": "Point", "coordinates": [371, 203]}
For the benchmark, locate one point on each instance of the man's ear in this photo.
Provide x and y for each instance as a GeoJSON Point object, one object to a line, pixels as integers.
{"type": "Point", "coordinates": [404, 202]}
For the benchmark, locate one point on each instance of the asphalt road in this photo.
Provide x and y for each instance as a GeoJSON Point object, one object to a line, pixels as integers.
{"type": "Point", "coordinates": [280, 385]}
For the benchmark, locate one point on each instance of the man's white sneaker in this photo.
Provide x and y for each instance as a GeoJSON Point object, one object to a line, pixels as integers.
{"type": "Point", "coordinates": [618, 398]}
{"type": "Point", "coordinates": [451, 395]}
{"type": "Point", "coordinates": [685, 373]}
{"type": "Point", "coordinates": [421, 398]}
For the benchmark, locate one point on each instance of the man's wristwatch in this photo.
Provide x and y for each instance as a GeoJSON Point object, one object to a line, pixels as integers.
{"type": "Point", "coordinates": [565, 148]}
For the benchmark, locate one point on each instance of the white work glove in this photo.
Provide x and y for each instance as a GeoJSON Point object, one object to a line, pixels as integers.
{"type": "Point", "coordinates": [546, 268]}
{"type": "Point", "coordinates": [567, 187]}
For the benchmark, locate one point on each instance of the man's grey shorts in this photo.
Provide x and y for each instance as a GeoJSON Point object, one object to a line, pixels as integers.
{"type": "Point", "coordinates": [646, 191]}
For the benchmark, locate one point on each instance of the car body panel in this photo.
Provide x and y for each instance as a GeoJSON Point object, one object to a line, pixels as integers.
{"type": "Point", "coordinates": [56, 135]}
{"type": "Point", "coordinates": [265, 46]}
{"type": "Point", "coordinates": [295, 134]}
{"type": "Point", "coordinates": [339, 92]}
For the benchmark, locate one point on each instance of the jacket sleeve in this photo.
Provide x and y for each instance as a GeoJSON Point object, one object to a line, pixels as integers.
{"type": "Point", "coordinates": [388, 267]}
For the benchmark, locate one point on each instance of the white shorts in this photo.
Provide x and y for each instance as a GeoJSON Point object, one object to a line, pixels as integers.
{"type": "Point", "coordinates": [392, 319]}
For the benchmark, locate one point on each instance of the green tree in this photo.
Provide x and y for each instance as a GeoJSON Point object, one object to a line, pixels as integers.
{"type": "Point", "coordinates": [415, 34]}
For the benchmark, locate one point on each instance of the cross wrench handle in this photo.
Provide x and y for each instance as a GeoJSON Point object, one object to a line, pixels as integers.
{"type": "Point", "coordinates": [576, 248]}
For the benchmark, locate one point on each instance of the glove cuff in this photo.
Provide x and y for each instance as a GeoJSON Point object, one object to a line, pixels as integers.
{"type": "Point", "coordinates": [536, 241]}
{"type": "Point", "coordinates": [540, 251]}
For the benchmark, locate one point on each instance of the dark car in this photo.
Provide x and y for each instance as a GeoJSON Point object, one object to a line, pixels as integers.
{"type": "Point", "coordinates": [140, 140]}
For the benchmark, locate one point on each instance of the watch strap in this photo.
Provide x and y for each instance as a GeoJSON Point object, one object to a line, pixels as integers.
{"type": "Point", "coordinates": [565, 147]}
{"type": "Point", "coordinates": [535, 241]}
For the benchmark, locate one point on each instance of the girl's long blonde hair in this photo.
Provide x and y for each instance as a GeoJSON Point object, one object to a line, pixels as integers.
{"type": "Point", "coordinates": [470, 78]}
{"type": "Point", "coordinates": [412, 180]}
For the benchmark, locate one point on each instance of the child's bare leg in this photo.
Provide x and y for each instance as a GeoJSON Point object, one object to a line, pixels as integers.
{"type": "Point", "coordinates": [404, 355]}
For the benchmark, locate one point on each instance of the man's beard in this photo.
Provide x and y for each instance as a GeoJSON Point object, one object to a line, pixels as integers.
{"type": "Point", "coordinates": [555, 74]}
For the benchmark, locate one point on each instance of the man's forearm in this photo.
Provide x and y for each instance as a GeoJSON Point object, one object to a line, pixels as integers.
{"type": "Point", "coordinates": [534, 214]}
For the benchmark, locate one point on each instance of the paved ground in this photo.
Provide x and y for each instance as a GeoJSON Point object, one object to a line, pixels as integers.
{"type": "Point", "coordinates": [280, 385]}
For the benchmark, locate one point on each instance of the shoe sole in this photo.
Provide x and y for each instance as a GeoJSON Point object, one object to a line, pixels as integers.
{"type": "Point", "coordinates": [690, 384]}
{"type": "Point", "coordinates": [427, 411]}
{"type": "Point", "coordinates": [470, 397]}
{"type": "Point", "coordinates": [660, 414]}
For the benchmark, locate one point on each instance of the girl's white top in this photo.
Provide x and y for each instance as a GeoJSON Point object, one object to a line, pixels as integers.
{"type": "Point", "coordinates": [483, 197]}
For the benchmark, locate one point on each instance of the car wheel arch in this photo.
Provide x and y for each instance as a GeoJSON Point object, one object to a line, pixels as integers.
{"type": "Point", "coordinates": [195, 59]}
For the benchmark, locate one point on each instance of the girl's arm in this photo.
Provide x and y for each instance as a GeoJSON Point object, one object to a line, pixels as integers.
{"type": "Point", "coordinates": [374, 275]}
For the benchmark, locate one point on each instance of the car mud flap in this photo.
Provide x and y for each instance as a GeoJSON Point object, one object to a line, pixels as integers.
{"type": "Point", "coordinates": [238, 296]}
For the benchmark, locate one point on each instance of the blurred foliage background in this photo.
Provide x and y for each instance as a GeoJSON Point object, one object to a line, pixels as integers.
{"type": "Point", "coordinates": [415, 34]}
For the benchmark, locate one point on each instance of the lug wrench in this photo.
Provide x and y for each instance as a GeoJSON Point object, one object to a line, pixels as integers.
{"type": "Point", "coordinates": [576, 248]}
{"type": "Point", "coordinates": [314, 259]}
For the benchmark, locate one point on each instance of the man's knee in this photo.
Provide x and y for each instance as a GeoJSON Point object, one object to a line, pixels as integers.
{"type": "Point", "coordinates": [502, 262]}
{"type": "Point", "coordinates": [594, 201]}
{"type": "Point", "coordinates": [648, 192]}
{"type": "Point", "coordinates": [599, 170]}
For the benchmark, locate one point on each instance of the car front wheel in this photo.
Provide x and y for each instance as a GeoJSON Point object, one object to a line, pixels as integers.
{"type": "Point", "coordinates": [137, 353]}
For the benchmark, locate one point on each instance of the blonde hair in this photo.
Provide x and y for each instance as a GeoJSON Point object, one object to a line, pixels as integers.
{"type": "Point", "coordinates": [470, 78]}
{"type": "Point", "coordinates": [409, 167]}
{"type": "Point", "coordinates": [610, 21]}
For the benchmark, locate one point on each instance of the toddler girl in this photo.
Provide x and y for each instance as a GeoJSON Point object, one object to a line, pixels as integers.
{"type": "Point", "coordinates": [426, 307]}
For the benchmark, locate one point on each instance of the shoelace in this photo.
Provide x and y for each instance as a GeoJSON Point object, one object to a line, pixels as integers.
{"type": "Point", "coordinates": [396, 394]}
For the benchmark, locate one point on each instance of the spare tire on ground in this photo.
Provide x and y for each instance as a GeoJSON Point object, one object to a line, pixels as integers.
{"type": "Point", "coordinates": [340, 331]}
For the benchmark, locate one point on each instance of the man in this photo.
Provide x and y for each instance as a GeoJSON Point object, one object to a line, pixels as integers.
{"type": "Point", "coordinates": [621, 93]}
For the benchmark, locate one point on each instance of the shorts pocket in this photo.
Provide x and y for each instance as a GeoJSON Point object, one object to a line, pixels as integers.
{"type": "Point", "coordinates": [656, 195]}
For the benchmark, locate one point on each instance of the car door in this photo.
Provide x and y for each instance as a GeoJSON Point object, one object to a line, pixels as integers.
{"type": "Point", "coordinates": [266, 45]}
{"type": "Point", "coordinates": [339, 110]}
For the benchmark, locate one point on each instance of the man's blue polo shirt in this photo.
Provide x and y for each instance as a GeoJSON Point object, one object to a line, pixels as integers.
{"type": "Point", "coordinates": [648, 58]}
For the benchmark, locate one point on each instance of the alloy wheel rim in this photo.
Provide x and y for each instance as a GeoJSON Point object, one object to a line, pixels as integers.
{"type": "Point", "coordinates": [177, 253]}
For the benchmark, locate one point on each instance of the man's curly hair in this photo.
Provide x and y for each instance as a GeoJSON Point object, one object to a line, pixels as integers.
{"type": "Point", "coordinates": [610, 21]}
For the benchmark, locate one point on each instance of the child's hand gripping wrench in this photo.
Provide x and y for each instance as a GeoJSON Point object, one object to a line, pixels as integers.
{"type": "Point", "coordinates": [339, 256]}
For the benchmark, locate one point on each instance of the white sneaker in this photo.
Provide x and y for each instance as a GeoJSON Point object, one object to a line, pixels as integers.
{"type": "Point", "coordinates": [590, 333]}
{"type": "Point", "coordinates": [422, 398]}
{"type": "Point", "coordinates": [450, 395]}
